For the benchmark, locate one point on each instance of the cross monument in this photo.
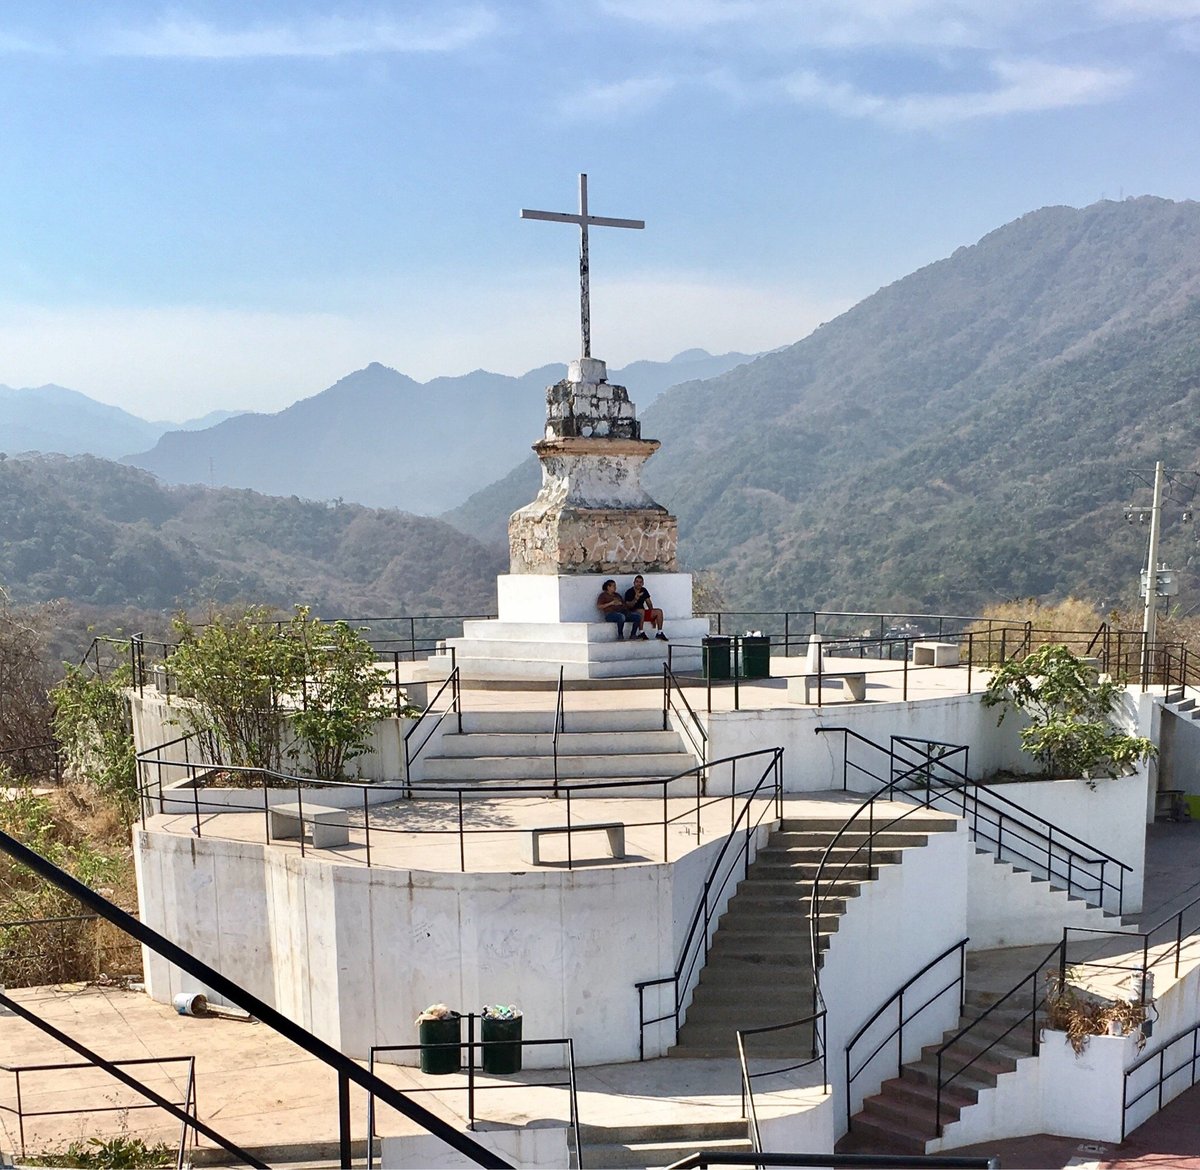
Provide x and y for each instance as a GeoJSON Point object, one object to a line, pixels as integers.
{"type": "Point", "coordinates": [584, 220]}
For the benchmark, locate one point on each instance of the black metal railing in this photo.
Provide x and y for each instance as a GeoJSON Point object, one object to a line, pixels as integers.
{"type": "Point", "coordinates": [559, 712]}
{"type": "Point", "coordinates": [1161, 944]}
{"type": "Point", "coordinates": [701, 1161]}
{"type": "Point", "coordinates": [903, 1017]}
{"type": "Point", "coordinates": [968, 1038]}
{"type": "Point", "coordinates": [476, 1051]}
{"type": "Point", "coordinates": [922, 771]}
{"type": "Point", "coordinates": [33, 761]}
{"type": "Point", "coordinates": [167, 785]}
{"type": "Point", "coordinates": [348, 1071]}
{"type": "Point", "coordinates": [675, 703]}
{"type": "Point", "coordinates": [815, 1025]}
{"type": "Point", "coordinates": [419, 735]}
{"type": "Point", "coordinates": [62, 949]}
{"type": "Point", "coordinates": [1189, 1064]}
{"type": "Point", "coordinates": [734, 856]}
{"type": "Point", "coordinates": [20, 1110]}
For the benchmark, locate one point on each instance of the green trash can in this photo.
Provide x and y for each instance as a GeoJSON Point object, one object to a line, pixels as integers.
{"type": "Point", "coordinates": [716, 657]}
{"type": "Point", "coordinates": [756, 656]}
{"type": "Point", "coordinates": [501, 1043]}
{"type": "Point", "coordinates": [441, 1045]}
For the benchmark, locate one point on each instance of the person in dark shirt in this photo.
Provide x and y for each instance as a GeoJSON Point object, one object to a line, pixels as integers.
{"type": "Point", "coordinates": [612, 606]}
{"type": "Point", "coordinates": [637, 599]}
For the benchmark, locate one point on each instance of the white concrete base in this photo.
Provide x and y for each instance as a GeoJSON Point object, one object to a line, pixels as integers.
{"type": "Point", "coordinates": [534, 597]}
{"type": "Point", "coordinates": [506, 649]}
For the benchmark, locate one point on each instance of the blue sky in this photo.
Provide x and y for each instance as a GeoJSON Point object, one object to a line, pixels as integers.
{"type": "Point", "coordinates": [231, 204]}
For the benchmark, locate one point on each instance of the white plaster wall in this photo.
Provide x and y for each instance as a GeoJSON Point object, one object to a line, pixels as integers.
{"type": "Point", "coordinates": [1081, 1092]}
{"type": "Point", "coordinates": [814, 762]}
{"type": "Point", "coordinates": [808, 1129]}
{"type": "Point", "coordinates": [355, 953]}
{"type": "Point", "coordinates": [887, 934]}
{"type": "Point", "coordinates": [1108, 817]}
{"type": "Point", "coordinates": [1007, 908]}
{"type": "Point", "coordinates": [560, 597]}
{"type": "Point", "coordinates": [532, 1147]}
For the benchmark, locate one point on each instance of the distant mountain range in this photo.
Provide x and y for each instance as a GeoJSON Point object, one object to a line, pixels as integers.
{"type": "Point", "coordinates": [380, 438]}
{"type": "Point", "coordinates": [102, 534]}
{"type": "Point", "coordinates": [54, 419]}
{"type": "Point", "coordinates": [961, 436]}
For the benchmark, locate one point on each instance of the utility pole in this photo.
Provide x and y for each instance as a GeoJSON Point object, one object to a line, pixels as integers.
{"type": "Point", "coordinates": [1150, 577]}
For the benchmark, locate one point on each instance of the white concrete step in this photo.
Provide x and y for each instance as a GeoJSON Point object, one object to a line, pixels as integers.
{"type": "Point", "coordinates": [464, 769]}
{"type": "Point", "coordinates": [612, 721]}
{"type": "Point", "coordinates": [570, 743]}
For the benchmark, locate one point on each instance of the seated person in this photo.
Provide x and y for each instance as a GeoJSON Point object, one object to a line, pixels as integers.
{"type": "Point", "coordinates": [636, 598]}
{"type": "Point", "coordinates": [612, 605]}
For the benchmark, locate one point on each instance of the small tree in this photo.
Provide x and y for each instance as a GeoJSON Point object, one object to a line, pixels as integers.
{"type": "Point", "coordinates": [235, 668]}
{"type": "Point", "coordinates": [1069, 709]}
{"type": "Point", "coordinates": [342, 693]}
{"type": "Point", "coordinates": [94, 727]}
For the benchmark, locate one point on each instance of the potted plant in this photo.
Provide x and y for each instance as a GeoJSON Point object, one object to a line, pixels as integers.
{"type": "Point", "coordinates": [439, 1029]}
{"type": "Point", "coordinates": [500, 1033]}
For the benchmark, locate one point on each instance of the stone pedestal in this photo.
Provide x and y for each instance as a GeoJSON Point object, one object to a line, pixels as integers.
{"type": "Point", "coordinates": [591, 520]}
{"type": "Point", "coordinates": [592, 514]}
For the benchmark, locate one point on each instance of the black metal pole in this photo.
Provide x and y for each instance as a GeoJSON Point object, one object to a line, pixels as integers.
{"type": "Point", "coordinates": [130, 1081]}
{"type": "Point", "coordinates": [258, 1008]}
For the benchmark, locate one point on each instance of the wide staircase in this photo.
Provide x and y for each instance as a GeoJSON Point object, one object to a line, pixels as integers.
{"type": "Point", "coordinates": [759, 967]}
{"type": "Point", "coordinates": [517, 748]}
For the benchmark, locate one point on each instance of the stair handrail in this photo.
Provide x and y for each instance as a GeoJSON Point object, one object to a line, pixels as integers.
{"type": "Point", "coordinates": [1054, 834]}
{"type": "Point", "coordinates": [817, 1022]}
{"type": "Point", "coordinates": [868, 807]}
{"type": "Point", "coordinates": [1175, 948]}
{"type": "Point", "coordinates": [184, 1113]}
{"type": "Point", "coordinates": [348, 1071]}
{"type": "Point", "coordinates": [691, 726]}
{"type": "Point", "coordinates": [697, 937]}
{"type": "Point", "coordinates": [1033, 977]}
{"type": "Point", "coordinates": [454, 682]}
{"type": "Point", "coordinates": [558, 722]}
{"type": "Point", "coordinates": [897, 997]}
{"type": "Point", "coordinates": [968, 790]}
{"type": "Point", "coordinates": [1160, 1054]}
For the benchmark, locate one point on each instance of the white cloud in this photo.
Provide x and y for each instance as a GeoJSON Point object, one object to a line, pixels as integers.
{"type": "Point", "coordinates": [445, 31]}
{"type": "Point", "coordinates": [1021, 87]}
{"type": "Point", "coordinates": [842, 24]}
{"type": "Point", "coordinates": [615, 99]}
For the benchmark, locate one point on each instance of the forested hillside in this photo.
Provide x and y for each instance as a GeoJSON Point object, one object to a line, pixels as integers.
{"type": "Point", "coordinates": [103, 534]}
{"type": "Point", "coordinates": [961, 436]}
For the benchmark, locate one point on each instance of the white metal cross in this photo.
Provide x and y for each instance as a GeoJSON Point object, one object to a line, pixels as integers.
{"type": "Point", "coordinates": [584, 221]}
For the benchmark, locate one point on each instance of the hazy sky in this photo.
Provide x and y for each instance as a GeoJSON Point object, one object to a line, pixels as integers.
{"type": "Point", "coordinates": [229, 204]}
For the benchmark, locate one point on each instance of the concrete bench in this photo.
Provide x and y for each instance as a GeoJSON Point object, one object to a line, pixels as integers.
{"type": "Point", "coordinates": [935, 654]}
{"type": "Point", "coordinates": [854, 683]}
{"type": "Point", "coordinates": [614, 829]}
{"type": "Point", "coordinates": [327, 826]}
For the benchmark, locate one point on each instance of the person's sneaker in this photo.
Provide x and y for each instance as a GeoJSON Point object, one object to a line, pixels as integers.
{"type": "Point", "coordinates": [662, 637]}
{"type": "Point", "coordinates": [641, 637]}
{"type": "Point", "coordinates": [620, 636]}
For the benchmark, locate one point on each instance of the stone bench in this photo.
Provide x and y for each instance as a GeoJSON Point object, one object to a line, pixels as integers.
{"type": "Point", "coordinates": [855, 684]}
{"type": "Point", "coordinates": [327, 826]}
{"type": "Point", "coordinates": [614, 829]}
{"type": "Point", "coordinates": [935, 654]}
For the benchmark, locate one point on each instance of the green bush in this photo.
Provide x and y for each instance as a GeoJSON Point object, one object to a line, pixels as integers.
{"type": "Point", "coordinates": [1069, 708]}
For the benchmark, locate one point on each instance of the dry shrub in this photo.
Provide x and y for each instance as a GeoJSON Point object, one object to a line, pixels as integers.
{"type": "Point", "coordinates": [1082, 1015]}
{"type": "Point", "coordinates": [1001, 632]}
{"type": "Point", "coordinates": [73, 829]}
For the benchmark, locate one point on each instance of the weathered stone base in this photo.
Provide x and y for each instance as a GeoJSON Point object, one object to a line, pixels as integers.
{"type": "Point", "coordinates": [594, 540]}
